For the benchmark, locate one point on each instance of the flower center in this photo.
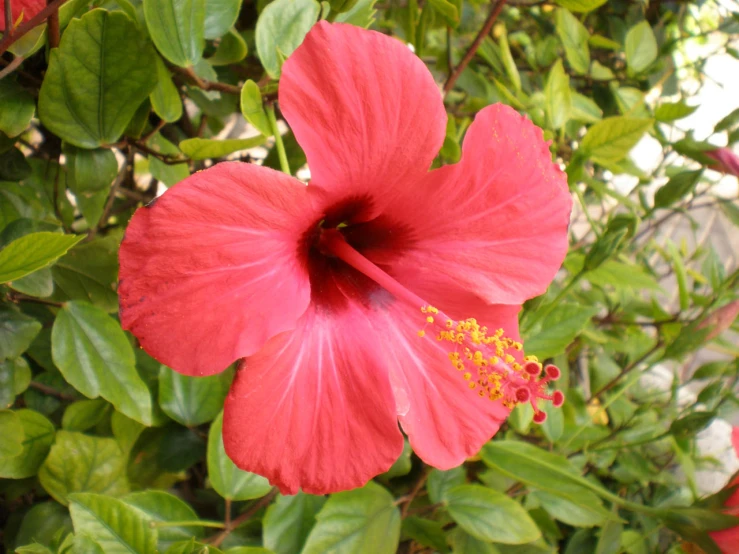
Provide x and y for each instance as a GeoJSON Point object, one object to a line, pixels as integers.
{"type": "Point", "coordinates": [487, 362]}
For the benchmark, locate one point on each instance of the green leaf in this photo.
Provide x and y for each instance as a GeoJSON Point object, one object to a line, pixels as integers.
{"type": "Point", "coordinates": [79, 463]}
{"type": "Point", "coordinates": [192, 401]}
{"type": "Point", "coordinates": [220, 16]}
{"type": "Point", "coordinates": [203, 149]}
{"type": "Point", "coordinates": [362, 521]}
{"type": "Point", "coordinates": [89, 272]}
{"type": "Point", "coordinates": [558, 329]}
{"type": "Point", "coordinates": [447, 11]}
{"type": "Point", "coordinates": [559, 99]}
{"type": "Point", "coordinates": [43, 524]}
{"type": "Point", "coordinates": [165, 98]}
{"type": "Point", "coordinates": [231, 49]}
{"type": "Point", "coordinates": [599, 72]}
{"type": "Point", "coordinates": [490, 515]}
{"type": "Point", "coordinates": [609, 541]}
{"type": "Point", "coordinates": [32, 252]}
{"type": "Point", "coordinates": [16, 108]}
{"type": "Point", "coordinates": [14, 166]}
{"type": "Point", "coordinates": [613, 138]}
{"type": "Point", "coordinates": [17, 332]}
{"type": "Point", "coordinates": [680, 274]}
{"type": "Point", "coordinates": [228, 480]}
{"type": "Point", "coordinates": [464, 543]}
{"type": "Point", "coordinates": [581, 5]}
{"type": "Point", "coordinates": [38, 433]}
{"type": "Point", "coordinates": [676, 188]}
{"type": "Point", "coordinates": [574, 37]}
{"type": "Point", "coordinates": [362, 14]}
{"type": "Point", "coordinates": [97, 78]}
{"type": "Point", "coordinates": [90, 174]}
{"type": "Point", "coordinates": [672, 111]}
{"type": "Point", "coordinates": [11, 439]}
{"type": "Point", "coordinates": [440, 482]}
{"type": "Point", "coordinates": [584, 109]}
{"type": "Point", "coordinates": [95, 357]}
{"type": "Point", "coordinates": [84, 544]}
{"type": "Point", "coordinates": [177, 28]}
{"type": "Point", "coordinates": [169, 174]}
{"type": "Point", "coordinates": [161, 506]}
{"type": "Point", "coordinates": [586, 511]}
{"type": "Point", "coordinates": [426, 533]}
{"type": "Point", "coordinates": [192, 547]}
{"type": "Point", "coordinates": [508, 62]}
{"type": "Point", "coordinates": [289, 520]}
{"type": "Point", "coordinates": [252, 108]}
{"type": "Point", "coordinates": [84, 414]}
{"type": "Point", "coordinates": [281, 28]}
{"type": "Point", "coordinates": [116, 526]}
{"type": "Point", "coordinates": [641, 47]}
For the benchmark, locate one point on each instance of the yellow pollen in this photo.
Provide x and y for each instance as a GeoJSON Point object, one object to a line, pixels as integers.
{"type": "Point", "coordinates": [467, 376]}
{"type": "Point", "coordinates": [430, 319]}
{"type": "Point", "coordinates": [421, 333]}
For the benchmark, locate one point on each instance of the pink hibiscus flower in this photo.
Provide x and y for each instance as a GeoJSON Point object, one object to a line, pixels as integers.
{"type": "Point", "coordinates": [728, 539]}
{"type": "Point", "coordinates": [26, 8]}
{"type": "Point", "coordinates": [726, 161]}
{"type": "Point", "coordinates": [326, 290]}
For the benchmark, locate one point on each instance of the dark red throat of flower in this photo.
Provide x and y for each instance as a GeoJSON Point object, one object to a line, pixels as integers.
{"type": "Point", "coordinates": [484, 359]}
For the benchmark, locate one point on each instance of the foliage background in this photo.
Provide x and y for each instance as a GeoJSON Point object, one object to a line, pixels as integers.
{"type": "Point", "coordinates": [104, 450]}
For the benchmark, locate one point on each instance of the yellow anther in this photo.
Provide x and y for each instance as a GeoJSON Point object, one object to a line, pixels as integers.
{"type": "Point", "coordinates": [422, 333]}
{"type": "Point", "coordinates": [429, 319]}
{"type": "Point", "coordinates": [471, 385]}
{"type": "Point", "coordinates": [467, 376]}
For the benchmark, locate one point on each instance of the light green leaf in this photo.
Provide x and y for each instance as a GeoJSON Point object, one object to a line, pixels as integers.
{"type": "Point", "coordinates": [97, 78]}
{"type": "Point", "coordinates": [162, 506]}
{"type": "Point", "coordinates": [116, 526]}
{"type": "Point", "coordinates": [464, 543]}
{"type": "Point", "coordinates": [17, 332]}
{"type": "Point", "coordinates": [558, 329]}
{"type": "Point", "coordinates": [599, 72]}
{"type": "Point", "coordinates": [611, 140]}
{"type": "Point", "coordinates": [401, 466]}
{"type": "Point", "coordinates": [192, 401]}
{"type": "Point", "coordinates": [125, 430]}
{"type": "Point", "coordinates": [228, 480]}
{"type": "Point", "coordinates": [43, 524]}
{"type": "Point", "coordinates": [581, 5]}
{"type": "Point", "coordinates": [680, 274]}
{"type": "Point", "coordinates": [177, 28]}
{"type": "Point", "coordinates": [33, 549]}
{"type": "Point", "coordinates": [676, 188]}
{"type": "Point", "coordinates": [231, 49]}
{"type": "Point", "coordinates": [253, 109]}
{"type": "Point", "coordinates": [82, 544]}
{"type": "Point", "coordinates": [508, 62]}
{"type": "Point", "coordinates": [169, 174]}
{"type": "Point", "coordinates": [32, 252]}
{"type": "Point", "coordinates": [16, 108]}
{"type": "Point", "coordinates": [599, 41]}
{"type": "Point", "coordinates": [289, 520]}
{"type": "Point", "coordinates": [609, 541]}
{"type": "Point", "coordinates": [165, 99]}
{"type": "Point", "coordinates": [38, 433]}
{"type": "Point", "coordinates": [559, 99]}
{"type": "Point", "coordinates": [362, 14]}
{"type": "Point", "coordinates": [281, 28]}
{"type": "Point", "coordinates": [490, 515]}
{"type": "Point", "coordinates": [584, 109]}
{"type": "Point", "coordinates": [574, 37]}
{"type": "Point", "coordinates": [220, 16]}
{"type": "Point", "coordinates": [641, 47]}
{"type": "Point", "coordinates": [90, 173]}
{"type": "Point", "coordinates": [585, 511]}
{"type": "Point", "coordinates": [362, 521]}
{"type": "Point", "coordinates": [672, 111]}
{"type": "Point", "coordinates": [192, 547]}
{"type": "Point", "coordinates": [447, 11]}
{"type": "Point", "coordinates": [440, 482]}
{"type": "Point", "coordinates": [89, 272]}
{"type": "Point", "coordinates": [203, 149]}
{"type": "Point", "coordinates": [93, 354]}
{"type": "Point", "coordinates": [80, 463]}
{"type": "Point", "coordinates": [11, 439]}
{"type": "Point", "coordinates": [84, 414]}
{"type": "Point", "coordinates": [426, 533]}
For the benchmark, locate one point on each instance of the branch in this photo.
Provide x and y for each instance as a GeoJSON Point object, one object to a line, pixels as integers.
{"type": "Point", "coordinates": [495, 10]}
{"type": "Point", "coordinates": [204, 84]}
{"type": "Point", "coordinates": [53, 27]}
{"type": "Point", "coordinates": [216, 540]}
{"type": "Point", "coordinates": [9, 17]}
{"type": "Point", "coordinates": [12, 66]}
{"type": "Point", "coordinates": [10, 37]}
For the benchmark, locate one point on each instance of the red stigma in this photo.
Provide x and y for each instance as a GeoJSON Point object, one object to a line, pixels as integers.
{"type": "Point", "coordinates": [523, 395]}
{"type": "Point", "coordinates": [540, 417]}
{"type": "Point", "coordinates": [553, 372]}
{"type": "Point", "coordinates": [558, 398]}
{"type": "Point", "coordinates": [532, 368]}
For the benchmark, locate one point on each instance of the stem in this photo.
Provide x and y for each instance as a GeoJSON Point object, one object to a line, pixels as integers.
{"type": "Point", "coordinates": [53, 27]}
{"type": "Point", "coordinates": [194, 523]}
{"type": "Point", "coordinates": [216, 540]}
{"type": "Point", "coordinates": [284, 165]}
{"type": "Point", "coordinates": [46, 389]}
{"type": "Point", "coordinates": [12, 66]}
{"type": "Point", "coordinates": [8, 17]}
{"type": "Point", "coordinates": [10, 38]}
{"type": "Point", "coordinates": [454, 74]}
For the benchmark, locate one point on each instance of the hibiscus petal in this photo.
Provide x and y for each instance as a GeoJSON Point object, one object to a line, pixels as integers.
{"type": "Point", "coordinates": [313, 410]}
{"type": "Point", "coordinates": [212, 269]}
{"type": "Point", "coordinates": [27, 8]}
{"type": "Point", "coordinates": [366, 111]}
{"type": "Point", "coordinates": [445, 421]}
{"type": "Point", "coordinates": [494, 224]}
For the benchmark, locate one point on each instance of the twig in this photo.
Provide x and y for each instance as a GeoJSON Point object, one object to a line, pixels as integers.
{"type": "Point", "coordinates": [408, 500]}
{"type": "Point", "coordinates": [37, 19]}
{"type": "Point", "coordinates": [495, 10]}
{"type": "Point", "coordinates": [12, 66]}
{"type": "Point", "coordinates": [51, 391]}
{"type": "Point", "coordinates": [52, 30]}
{"type": "Point", "coordinates": [216, 540]}
{"type": "Point", "coordinates": [19, 297]}
{"type": "Point", "coordinates": [128, 164]}
{"type": "Point", "coordinates": [164, 158]}
{"type": "Point", "coordinates": [205, 84]}
{"type": "Point", "coordinates": [613, 382]}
